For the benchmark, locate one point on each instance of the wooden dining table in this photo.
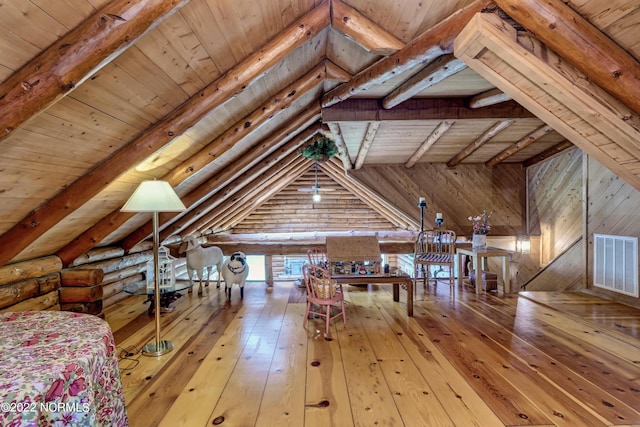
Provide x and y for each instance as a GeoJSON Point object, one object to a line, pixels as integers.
{"type": "Point", "coordinates": [59, 368]}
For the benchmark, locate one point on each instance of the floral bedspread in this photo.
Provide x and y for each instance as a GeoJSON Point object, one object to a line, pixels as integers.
{"type": "Point", "coordinates": [59, 369]}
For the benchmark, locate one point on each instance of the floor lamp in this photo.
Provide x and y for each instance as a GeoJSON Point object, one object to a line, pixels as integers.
{"type": "Point", "coordinates": [155, 196]}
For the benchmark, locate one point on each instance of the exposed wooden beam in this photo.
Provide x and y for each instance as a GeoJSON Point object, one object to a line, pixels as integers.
{"type": "Point", "coordinates": [361, 109]}
{"type": "Point", "coordinates": [163, 132]}
{"type": "Point", "coordinates": [370, 197]}
{"type": "Point", "coordinates": [433, 137]}
{"type": "Point", "coordinates": [64, 65]}
{"type": "Point", "coordinates": [437, 71]}
{"type": "Point", "coordinates": [434, 42]}
{"type": "Point", "coordinates": [195, 197]}
{"type": "Point", "coordinates": [479, 142]}
{"type": "Point", "coordinates": [555, 91]}
{"type": "Point", "coordinates": [197, 220]}
{"type": "Point", "coordinates": [548, 153]}
{"type": "Point", "coordinates": [343, 151]}
{"type": "Point", "coordinates": [262, 115]}
{"type": "Point", "coordinates": [580, 43]}
{"type": "Point", "coordinates": [301, 248]}
{"type": "Point", "coordinates": [246, 197]}
{"type": "Point", "coordinates": [277, 105]}
{"type": "Point", "coordinates": [366, 33]}
{"type": "Point", "coordinates": [366, 144]}
{"type": "Point", "coordinates": [520, 145]}
{"type": "Point", "coordinates": [223, 185]}
{"type": "Point", "coordinates": [490, 97]}
{"type": "Point", "coordinates": [336, 73]}
{"type": "Point", "coordinates": [385, 236]}
{"type": "Point", "coordinates": [258, 192]}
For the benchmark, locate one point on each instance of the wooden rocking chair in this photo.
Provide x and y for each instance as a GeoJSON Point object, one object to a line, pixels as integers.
{"type": "Point", "coordinates": [322, 292]}
{"type": "Point", "coordinates": [317, 256]}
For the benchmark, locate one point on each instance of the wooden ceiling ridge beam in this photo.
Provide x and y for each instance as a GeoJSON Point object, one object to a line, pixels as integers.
{"type": "Point", "coordinates": [433, 137]}
{"type": "Point", "coordinates": [236, 80]}
{"type": "Point", "coordinates": [367, 143]}
{"type": "Point", "coordinates": [556, 92]}
{"type": "Point", "coordinates": [574, 38]}
{"type": "Point", "coordinates": [188, 169]}
{"type": "Point", "coordinates": [289, 168]}
{"type": "Point", "coordinates": [364, 32]}
{"type": "Point", "coordinates": [495, 129]}
{"type": "Point", "coordinates": [520, 145]}
{"type": "Point", "coordinates": [435, 72]}
{"type": "Point", "coordinates": [206, 196]}
{"type": "Point", "coordinates": [274, 107]}
{"type": "Point", "coordinates": [64, 65]}
{"type": "Point", "coordinates": [370, 197]}
{"type": "Point", "coordinates": [431, 44]}
{"type": "Point", "coordinates": [369, 110]}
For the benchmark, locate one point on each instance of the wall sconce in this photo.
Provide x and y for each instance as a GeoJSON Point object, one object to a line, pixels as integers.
{"type": "Point", "coordinates": [523, 244]}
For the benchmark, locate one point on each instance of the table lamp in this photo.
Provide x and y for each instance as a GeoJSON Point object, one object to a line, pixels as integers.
{"type": "Point", "coordinates": [155, 196]}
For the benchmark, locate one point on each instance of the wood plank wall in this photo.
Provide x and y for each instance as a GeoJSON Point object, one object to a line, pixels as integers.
{"type": "Point", "coordinates": [457, 193]}
{"type": "Point", "coordinates": [555, 202]}
{"type": "Point", "coordinates": [557, 188]}
{"type": "Point", "coordinates": [612, 209]}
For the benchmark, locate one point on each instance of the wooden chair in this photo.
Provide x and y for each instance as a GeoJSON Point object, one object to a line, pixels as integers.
{"type": "Point", "coordinates": [317, 256]}
{"type": "Point", "coordinates": [322, 292]}
{"type": "Point", "coordinates": [434, 247]}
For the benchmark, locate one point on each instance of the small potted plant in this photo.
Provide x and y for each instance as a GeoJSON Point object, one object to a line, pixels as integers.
{"type": "Point", "coordinates": [319, 149]}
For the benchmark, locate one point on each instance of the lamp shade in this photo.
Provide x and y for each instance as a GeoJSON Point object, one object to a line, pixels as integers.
{"type": "Point", "coordinates": [154, 196]}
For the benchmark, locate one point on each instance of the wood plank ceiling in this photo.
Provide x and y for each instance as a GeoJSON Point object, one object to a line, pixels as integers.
{"type": "Point", "coordinates": [216, 96]}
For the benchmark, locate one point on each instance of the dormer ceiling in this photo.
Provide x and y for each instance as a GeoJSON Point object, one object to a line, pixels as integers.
{"type": "Point", "coordinates": [217, 96]}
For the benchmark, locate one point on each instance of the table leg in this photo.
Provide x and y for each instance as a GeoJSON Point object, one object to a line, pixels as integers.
{"type": "Point", "coordinates": [477, 265]}
{"type": "Point", "coordinates": [409, 297]}
{"type": "Point", "coordinates": [460, 268]}
{"type": "Point", "coordinates": [396, 291]}
{"type": "Point", "coordinates": [506, 275]}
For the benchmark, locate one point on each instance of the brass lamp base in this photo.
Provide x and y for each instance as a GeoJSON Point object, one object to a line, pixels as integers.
{"type": "Point", "coordinates": [157, 348]}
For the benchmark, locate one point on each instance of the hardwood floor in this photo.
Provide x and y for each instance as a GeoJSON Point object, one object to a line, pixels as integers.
{"type": "Point", "coordinates": [538, 359]}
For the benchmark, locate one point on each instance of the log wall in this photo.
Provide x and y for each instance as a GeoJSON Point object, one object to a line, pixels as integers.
{"type": "Point", "coordinates": [92, 282]}
{"type": "Point", "coordinates": [292, 211]}
{"type": "Point", "coordinates": [30, 285]}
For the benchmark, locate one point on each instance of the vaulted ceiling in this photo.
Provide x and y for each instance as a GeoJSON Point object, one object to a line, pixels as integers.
{"type": "Point", "coordinates": [217, 96]}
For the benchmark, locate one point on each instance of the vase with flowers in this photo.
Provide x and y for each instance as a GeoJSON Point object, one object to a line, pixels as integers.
{"type": "Point", "coordinates": [481, 227]}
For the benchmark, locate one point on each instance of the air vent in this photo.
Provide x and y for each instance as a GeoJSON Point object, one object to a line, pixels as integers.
{"type": "Point", "coordinates": [615, 263]}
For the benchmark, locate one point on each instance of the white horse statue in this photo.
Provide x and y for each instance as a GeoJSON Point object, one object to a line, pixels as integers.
{"type": "Point", "coordinates": [199, 258]}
